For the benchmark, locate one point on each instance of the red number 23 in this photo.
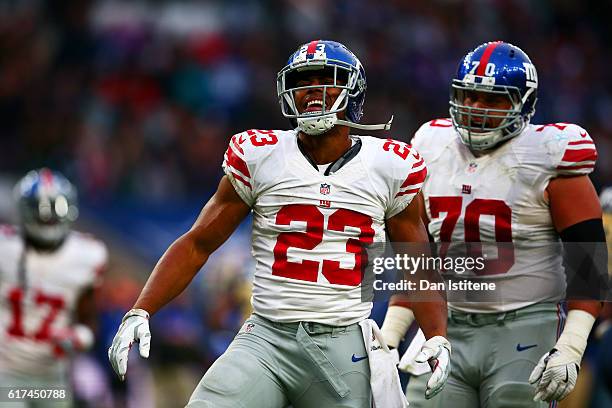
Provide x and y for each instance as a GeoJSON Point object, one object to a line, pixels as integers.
{"type": "Point", "coordinates": [308, 270]}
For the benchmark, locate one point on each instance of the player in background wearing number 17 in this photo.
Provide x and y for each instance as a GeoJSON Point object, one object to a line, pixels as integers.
{"type": "Point", "coordinates": [48, 276]}
{"type": "Point", "coordinates": [318, 195]}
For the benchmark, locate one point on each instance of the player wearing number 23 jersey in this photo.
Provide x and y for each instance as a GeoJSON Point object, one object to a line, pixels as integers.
{"type": "Point", "coordinates": [314, 222]}
{"type": "Point", "coordinates": [496, 178]}
{"type": "Point", "coordinates": [318, 196]}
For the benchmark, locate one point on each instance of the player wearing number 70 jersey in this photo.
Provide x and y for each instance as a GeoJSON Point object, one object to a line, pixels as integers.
{"type": "Point", "coordinates": [318, 195]}
{"type": "Point", "coordinates": [494, 177]}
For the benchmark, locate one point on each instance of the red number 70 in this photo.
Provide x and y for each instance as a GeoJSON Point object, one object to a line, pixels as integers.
{"type": "Point", "coordinates": [452, 206]}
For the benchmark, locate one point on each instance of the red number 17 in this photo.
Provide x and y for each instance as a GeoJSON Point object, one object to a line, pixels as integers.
{"type": "Point", "coordinates": [54, 304]}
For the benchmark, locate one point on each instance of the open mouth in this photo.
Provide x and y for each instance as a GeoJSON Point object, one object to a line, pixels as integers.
{"type": "Point", "coordinates": [314, 105]}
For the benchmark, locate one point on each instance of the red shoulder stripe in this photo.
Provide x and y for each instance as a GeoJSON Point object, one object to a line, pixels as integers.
{"type": "Point", "coordinates": [441, 123]}
{"type": "Point", "coordinates": [237, 162]}
{"type": "Point", "coordinates": [243, 181]}
{"type": "Point", "coordinates": [584, 166]}
{"type": "Point", "coordinates": [580, 142]}
{"type": "Point", "coordinates": [411, 191]}
{"type": "Point", "coordinates": [580, 155]}
{"type": "Point", "coordinates": [237, 140]}
{"type": "Point", "coordinates": [415, 178]}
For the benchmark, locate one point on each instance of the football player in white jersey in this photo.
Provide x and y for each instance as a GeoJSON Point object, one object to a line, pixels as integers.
{"type": "Point", "coordinates": [47, 276]}
{"type": "Point", "coordinates": [494, 177]}
{"type": "Point", "coordinates": [318, 195]}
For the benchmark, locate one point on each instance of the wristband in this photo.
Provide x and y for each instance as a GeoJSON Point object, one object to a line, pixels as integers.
{"type": "Point", "coordinates": [396, 324]}
{"type": "Point", "coordinates": [136, 312]}
{"type": "Point", "coordinates": [573, 340]}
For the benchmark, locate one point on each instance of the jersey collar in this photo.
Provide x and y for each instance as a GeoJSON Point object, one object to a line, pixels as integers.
{"type": "Point", "coordinates": [338, 163]}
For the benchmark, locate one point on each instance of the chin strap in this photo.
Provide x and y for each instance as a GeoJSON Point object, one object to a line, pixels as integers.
{"type": "Point", "coordinates": [321, 124]}
{"type": "Point", "coordinates": [382, 126]}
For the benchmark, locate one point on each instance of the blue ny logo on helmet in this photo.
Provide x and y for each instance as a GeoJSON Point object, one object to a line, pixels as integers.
{"type": "Point", "coordinates": [495, 68]}
{"type": "Point", "coordinates": [340, 64]}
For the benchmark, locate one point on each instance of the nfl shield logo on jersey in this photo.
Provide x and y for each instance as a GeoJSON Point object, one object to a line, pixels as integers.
{"type": "Point", "coordinates": [325, 188]}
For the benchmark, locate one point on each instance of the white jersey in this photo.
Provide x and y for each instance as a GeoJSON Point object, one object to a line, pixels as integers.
{"type": "Point", "coordinates": [308, 227]}
{"type": "Point", "coordinates": [500, 197]}
{"type": "Point", "coordinates": [38, 295]}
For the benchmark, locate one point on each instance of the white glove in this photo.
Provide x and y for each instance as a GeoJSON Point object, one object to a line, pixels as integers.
{"type": "Point", "coordinates": [134, 328]}
{"type": "Point", "coordinates": [407, 363]}
{"type": "Point", "coordinates": [436, 351]}
{"type": "Point", "coordinates": [556, 373]}
{"type": "Point", "coordinates": [555, 376]}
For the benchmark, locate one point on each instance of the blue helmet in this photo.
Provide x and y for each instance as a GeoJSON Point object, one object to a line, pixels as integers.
{"type": "Point", "coordinates": [47, 204]}
{"type": "Point", "coordinates": [495, 68]}
{"type": "Point", "coordinates": [347, 72]}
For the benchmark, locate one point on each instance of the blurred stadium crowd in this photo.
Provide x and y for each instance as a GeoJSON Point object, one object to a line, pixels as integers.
{"type": "Point", "coordinates": [135, 98]}
{"type": "Point", "coordinates": [135, 101]}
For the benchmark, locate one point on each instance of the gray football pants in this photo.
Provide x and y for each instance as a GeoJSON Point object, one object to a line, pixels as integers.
{"type": "Point", "coordinates": [493, 356]}
{"type": "Point", "coordinates": [272, 365]}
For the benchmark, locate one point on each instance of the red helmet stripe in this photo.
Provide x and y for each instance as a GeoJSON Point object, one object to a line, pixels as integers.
{"type": "Point", "coordinates": [46, 177]}
{"type": "Point", "coordinates": [484, 60]}
{"type": "Point", "coordinates": [312, 47]}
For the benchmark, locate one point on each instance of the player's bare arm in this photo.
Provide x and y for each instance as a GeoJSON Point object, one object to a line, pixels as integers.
{"type": "Point", "coordinates": [400, 315]}
{"type": "Point", "coordinates": [407, 226]}
{"type": "Point", "coordinates": [176, 268]}
{"type": "Point", "coordinates": [184, 258]}
{"type": "Point", "coordinates": [429, 309]}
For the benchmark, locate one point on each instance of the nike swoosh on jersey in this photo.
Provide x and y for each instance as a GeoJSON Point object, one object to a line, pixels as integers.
{"type": "Point", "coordinates": [355, 359]}
{"type": "Point", "coordinates": [523, 348]}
